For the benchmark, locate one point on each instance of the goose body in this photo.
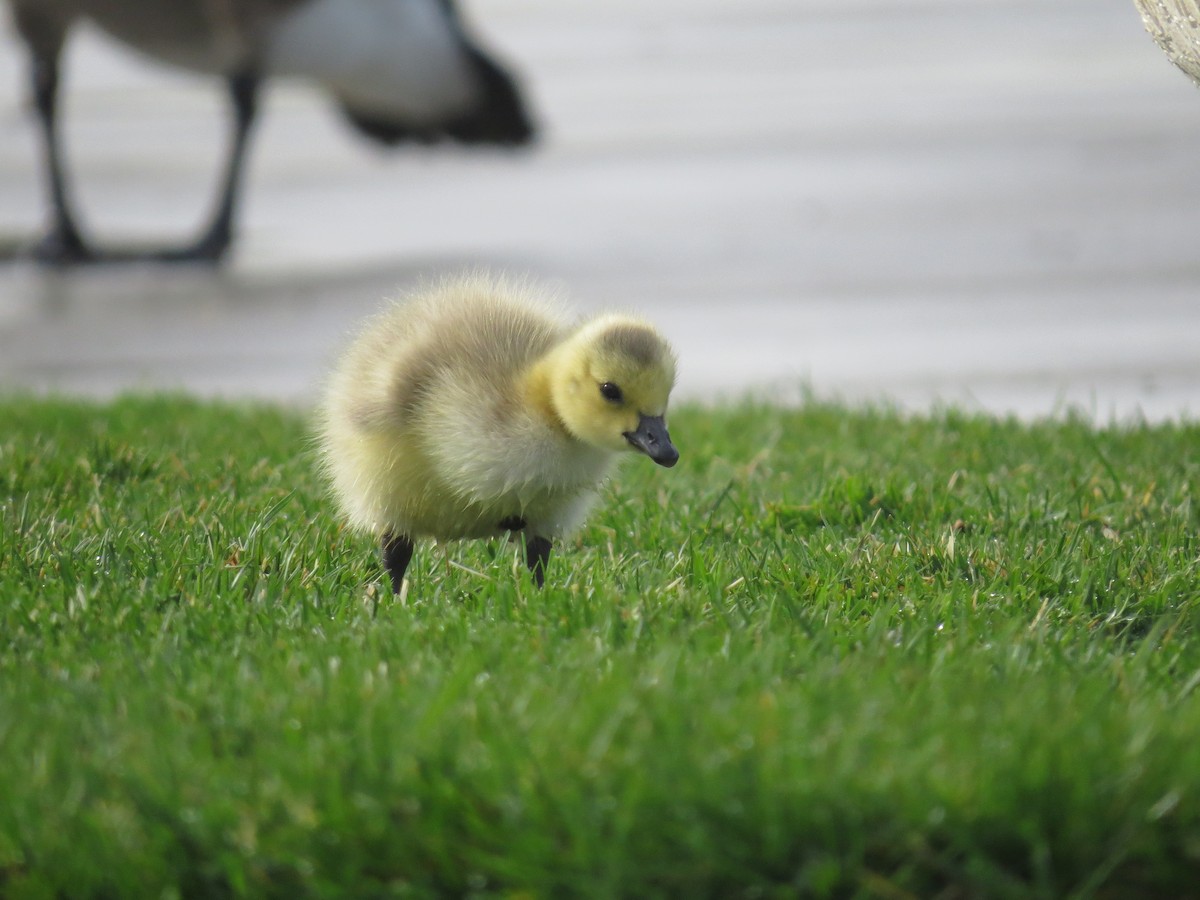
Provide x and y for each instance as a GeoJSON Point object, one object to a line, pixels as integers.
{"type": "Point", "coordinates": [400, 70]}
{"type": "Point", "coordinates": [1175, 27]}
{"type": "Point", "coordinates": [476, 409]}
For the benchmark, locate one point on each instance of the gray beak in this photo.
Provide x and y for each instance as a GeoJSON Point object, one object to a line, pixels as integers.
{"type": "Point", "coordinates": [652, 439]}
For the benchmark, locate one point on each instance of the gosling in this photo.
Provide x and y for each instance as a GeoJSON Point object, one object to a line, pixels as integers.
{"type": "Point", "coordinates": [474, 410]}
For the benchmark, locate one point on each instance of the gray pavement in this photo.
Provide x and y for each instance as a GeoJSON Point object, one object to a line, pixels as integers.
{"type": "Point", "coordinates": [985, 203]}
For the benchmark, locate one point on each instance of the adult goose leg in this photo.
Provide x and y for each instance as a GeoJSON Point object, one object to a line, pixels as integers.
{"type": "Point", "coordinates": [243, 91]}
{"type": "Point", "coordinates": [62, 243]}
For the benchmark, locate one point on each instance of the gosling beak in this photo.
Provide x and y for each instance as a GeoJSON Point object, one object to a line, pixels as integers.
{"type": "Point", "coordinates": [652, 439]}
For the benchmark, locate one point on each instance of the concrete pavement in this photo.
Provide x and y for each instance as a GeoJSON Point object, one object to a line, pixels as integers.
{"type": "Point", "coordinates": [990, 203]}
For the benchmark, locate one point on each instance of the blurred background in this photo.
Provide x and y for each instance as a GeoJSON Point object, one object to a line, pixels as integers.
{"type": "Point", "coordinates": [985, 203]}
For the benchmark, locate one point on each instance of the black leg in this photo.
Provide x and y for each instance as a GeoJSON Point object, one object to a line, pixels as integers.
{"type": "Point", "coordinates": [62, 244]}
{"type": "Point", "coordinates": [397, 551]}
{"type": "Point", "coordinates": [243, 91]}
{"type": "Point", "coordinates": [537, 555]}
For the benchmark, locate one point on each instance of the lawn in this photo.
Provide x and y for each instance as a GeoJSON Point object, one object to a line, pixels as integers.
{"type": "Point", "coordinates": [833, 653]}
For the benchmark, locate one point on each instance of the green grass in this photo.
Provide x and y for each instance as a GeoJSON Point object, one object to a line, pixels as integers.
{"type": "Point", "coordinates": [833, 653]}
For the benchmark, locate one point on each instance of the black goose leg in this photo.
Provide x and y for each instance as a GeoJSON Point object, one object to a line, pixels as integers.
{"type": "Point", "coordinates": [537, 555]}
{"type": "Point", "coordinates": [62, 244]}
{"type": "Point", "coordinates": [397, 551]}
{"type": "Point", "coordinates": [243, 90]}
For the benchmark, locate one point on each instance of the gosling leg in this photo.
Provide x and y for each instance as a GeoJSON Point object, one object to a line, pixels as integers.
{"type": "Point", "coordinates": [537, 555]}
{"type": "Point", "coordinates": [397, 552]}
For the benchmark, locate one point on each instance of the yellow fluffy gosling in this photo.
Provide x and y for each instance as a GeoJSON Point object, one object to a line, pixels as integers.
{"type": "Point", "coordinates": [474, 410]}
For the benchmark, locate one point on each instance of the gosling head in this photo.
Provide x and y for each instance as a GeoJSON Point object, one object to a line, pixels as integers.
{"type": "Point", "coordinates": [610, 383]}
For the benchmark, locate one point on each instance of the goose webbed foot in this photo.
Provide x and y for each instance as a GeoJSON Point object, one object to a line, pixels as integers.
{"type": "Point", "coordinates": [397, 552]}
{"type": "Point", "coordinates": [209, 249]}
{"type": "Point", "coordinates": [62, 246]}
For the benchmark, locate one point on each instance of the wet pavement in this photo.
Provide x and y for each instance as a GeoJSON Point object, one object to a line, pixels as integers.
{"type": "Point", "coordinates": [985, 203]}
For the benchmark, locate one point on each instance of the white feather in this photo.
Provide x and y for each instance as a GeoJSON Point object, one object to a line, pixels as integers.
{"type": "Point", "coordinates": [388, 57]}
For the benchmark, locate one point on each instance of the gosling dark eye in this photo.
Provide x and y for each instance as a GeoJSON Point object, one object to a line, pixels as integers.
{"type": "Point", "coordinates": [610, 391]}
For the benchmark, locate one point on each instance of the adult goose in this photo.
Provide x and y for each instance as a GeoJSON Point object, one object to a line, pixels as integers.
{"type": "Point", "coordinates": [400, 70]}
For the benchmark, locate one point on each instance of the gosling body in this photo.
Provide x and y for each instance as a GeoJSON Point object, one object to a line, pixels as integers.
{"type": "Point", "coordinates": [476, 410]}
